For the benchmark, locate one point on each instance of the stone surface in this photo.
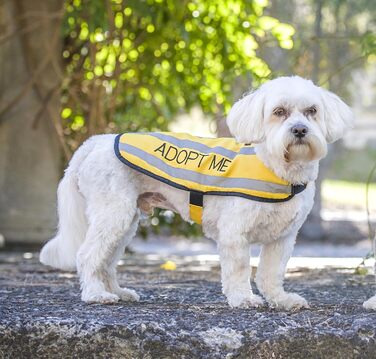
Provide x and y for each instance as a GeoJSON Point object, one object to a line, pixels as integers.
{"type": "Point", "coordinates": [182, 314]}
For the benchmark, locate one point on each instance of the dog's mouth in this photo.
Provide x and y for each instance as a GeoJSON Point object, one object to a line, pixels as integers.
{"type": "Point", "coordinates": [300, 142]}
{"type": "Point", "coordinates": [299, 149]}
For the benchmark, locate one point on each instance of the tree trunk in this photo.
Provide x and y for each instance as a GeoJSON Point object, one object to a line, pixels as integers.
{"type": "Point", "coordinates": [313, 228]}
{"type": "Point", "coordinates": [30, 154]}
{"type": "Point", "coordinates": [316, 46]}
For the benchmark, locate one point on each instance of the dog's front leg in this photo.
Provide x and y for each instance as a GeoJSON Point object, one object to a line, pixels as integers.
{"type": "Point", "coordinates": [270, 273]}
{"type": "Point", "coordinates": [235, 269]}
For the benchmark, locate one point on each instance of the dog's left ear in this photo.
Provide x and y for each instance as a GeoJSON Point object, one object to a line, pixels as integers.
{"type": "Point", "coordinates": [246, 118]}
{"type": "Point", "coordinates": [338, 116]}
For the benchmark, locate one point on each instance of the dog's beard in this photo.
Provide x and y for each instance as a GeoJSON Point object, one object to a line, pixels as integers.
{"type": "Point", "coordinates": [305, 149]}
{"type": "Point", "coordinates": [289, 148]}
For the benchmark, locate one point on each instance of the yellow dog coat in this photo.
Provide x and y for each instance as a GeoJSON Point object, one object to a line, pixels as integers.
{"type": "Point", "coordinates": [203, 166]}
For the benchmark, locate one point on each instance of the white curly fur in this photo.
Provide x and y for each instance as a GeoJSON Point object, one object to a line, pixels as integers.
{"type": "Point", "coordinates": [98, 199]}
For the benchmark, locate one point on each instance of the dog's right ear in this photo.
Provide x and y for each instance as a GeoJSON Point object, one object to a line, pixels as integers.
{"type": "Point", "coordinates": [246, 118]}
{"type": "Point", "coordinates": [337, 115]}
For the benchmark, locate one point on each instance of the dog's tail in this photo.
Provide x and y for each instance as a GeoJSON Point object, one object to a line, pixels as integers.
{"type": "Point", "coordinates": [60, 252]}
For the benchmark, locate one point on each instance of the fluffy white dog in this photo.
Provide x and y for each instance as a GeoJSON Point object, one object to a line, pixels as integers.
{"type": "Point", "coordinates": [99, 198]}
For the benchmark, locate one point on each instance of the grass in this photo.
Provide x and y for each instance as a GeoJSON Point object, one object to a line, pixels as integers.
{"type": "Point", "coordinates": [348, 193]}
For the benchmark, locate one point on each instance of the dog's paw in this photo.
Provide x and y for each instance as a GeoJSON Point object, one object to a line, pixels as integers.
{"type": "Point", "coordinates": [102, 298]}
{"type": "Point", "coordinates": [370, 303]}
{"type": "Point", "coordinates": [128, 295]}
{"type": "Point", "coordinates": [244, 301]}
{"type": "Point", "coordinates": [288, 301]}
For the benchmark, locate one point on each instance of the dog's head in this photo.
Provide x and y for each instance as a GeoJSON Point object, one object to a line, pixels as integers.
{"type": "Point", "coordinates": [295, 119]}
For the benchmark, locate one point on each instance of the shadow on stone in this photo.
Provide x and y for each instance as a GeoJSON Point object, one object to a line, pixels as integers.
{"type": "Point", "coordinates": [182, 313]}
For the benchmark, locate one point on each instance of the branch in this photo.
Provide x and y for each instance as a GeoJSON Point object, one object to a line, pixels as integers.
{"type": "Point", "coordinates": [369, 179]}
{"type": "Point", "coordinates": [60, 133]}
{"type": "Point", "coordinates": [335, 37]}
{"type": "Point", "coordinates": [19, 31]}
{"type": "Point", "coordinates": [340, 69]}
{"type": "Point", "coordinates": [33, 82]}
{"type": "Point", "coordinates": [40, 14]}
{"type": "Point", "coordinates": [45, 103]}
{"type": "Point", "coordinates": [111, 17]}
{"type": "Point", "coordinates": [34, 77]}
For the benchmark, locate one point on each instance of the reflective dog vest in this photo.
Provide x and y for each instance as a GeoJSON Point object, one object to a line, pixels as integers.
{"type": "Point", "coordinates": [203, 166]}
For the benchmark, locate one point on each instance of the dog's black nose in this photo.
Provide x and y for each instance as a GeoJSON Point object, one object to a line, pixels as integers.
{"type": "Point", "coordinates": [299, 130]}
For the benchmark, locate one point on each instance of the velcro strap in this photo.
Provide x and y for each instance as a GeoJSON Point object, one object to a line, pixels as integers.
{"type": "Point", "coordinates": [196, 201]}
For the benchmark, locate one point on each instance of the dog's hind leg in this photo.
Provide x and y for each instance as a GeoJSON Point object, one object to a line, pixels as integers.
{"type": "Point", "coordinates": [110, 216]}
{"type": "Point", "coordinates": [111, 282]}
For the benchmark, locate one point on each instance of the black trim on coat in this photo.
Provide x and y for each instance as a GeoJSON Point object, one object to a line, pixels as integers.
{"type": "Point", "coordinates": [295, 189]}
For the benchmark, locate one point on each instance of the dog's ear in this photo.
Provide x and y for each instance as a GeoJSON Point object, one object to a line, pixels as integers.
{"type": "Point", "coordinates": [338, 117]}
{"type": "Point", "coordinates": [246, 118]}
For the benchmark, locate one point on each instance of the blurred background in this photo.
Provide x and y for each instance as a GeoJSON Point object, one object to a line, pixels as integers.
{"type": "Point", "coordinates": [72, 69]}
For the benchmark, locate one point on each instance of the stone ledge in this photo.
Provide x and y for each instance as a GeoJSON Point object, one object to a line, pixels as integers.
{"type": "Point", "coordinates": [182, 314]}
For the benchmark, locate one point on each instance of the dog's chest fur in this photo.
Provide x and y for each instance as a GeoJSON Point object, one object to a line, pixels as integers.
{"type": "Point", "coordinates": [272, 222]}
{"type": "Point", "coordinates": [261, 222]}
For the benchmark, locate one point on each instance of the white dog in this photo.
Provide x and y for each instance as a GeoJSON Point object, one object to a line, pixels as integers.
{"type": "Point", "coordinates": [291, 121]}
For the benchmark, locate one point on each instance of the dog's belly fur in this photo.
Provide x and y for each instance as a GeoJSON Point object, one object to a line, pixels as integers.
{"type": "Point", "coordinates": [262, 222]}
{"type": "Point", "coordinates": [270, 221]}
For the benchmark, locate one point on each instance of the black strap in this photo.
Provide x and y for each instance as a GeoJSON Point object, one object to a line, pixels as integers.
{"type": "Point", "coordinates": [196, 198]}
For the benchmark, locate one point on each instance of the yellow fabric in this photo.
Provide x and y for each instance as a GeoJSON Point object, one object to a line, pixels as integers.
{"type": "Point", "coordinates": [209, 165]}
{"type": "Point", "coordinates": [195, 212]}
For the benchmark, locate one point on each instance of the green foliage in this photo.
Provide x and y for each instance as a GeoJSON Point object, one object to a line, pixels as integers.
{"type": "Point", "coordinates": [368, 43]}
{"type": "Point", "coordinates": [148, 60]}
{"type": "Point", "coordinates": [167, 222]}
{"type": "Point", "coordinates": [133, 65]}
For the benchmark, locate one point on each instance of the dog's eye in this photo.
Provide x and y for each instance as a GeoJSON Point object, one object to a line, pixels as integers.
{"type": "Point", "coordinates": [280, 111]}
{"type": "Point", "coordinates": [311, 111]}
